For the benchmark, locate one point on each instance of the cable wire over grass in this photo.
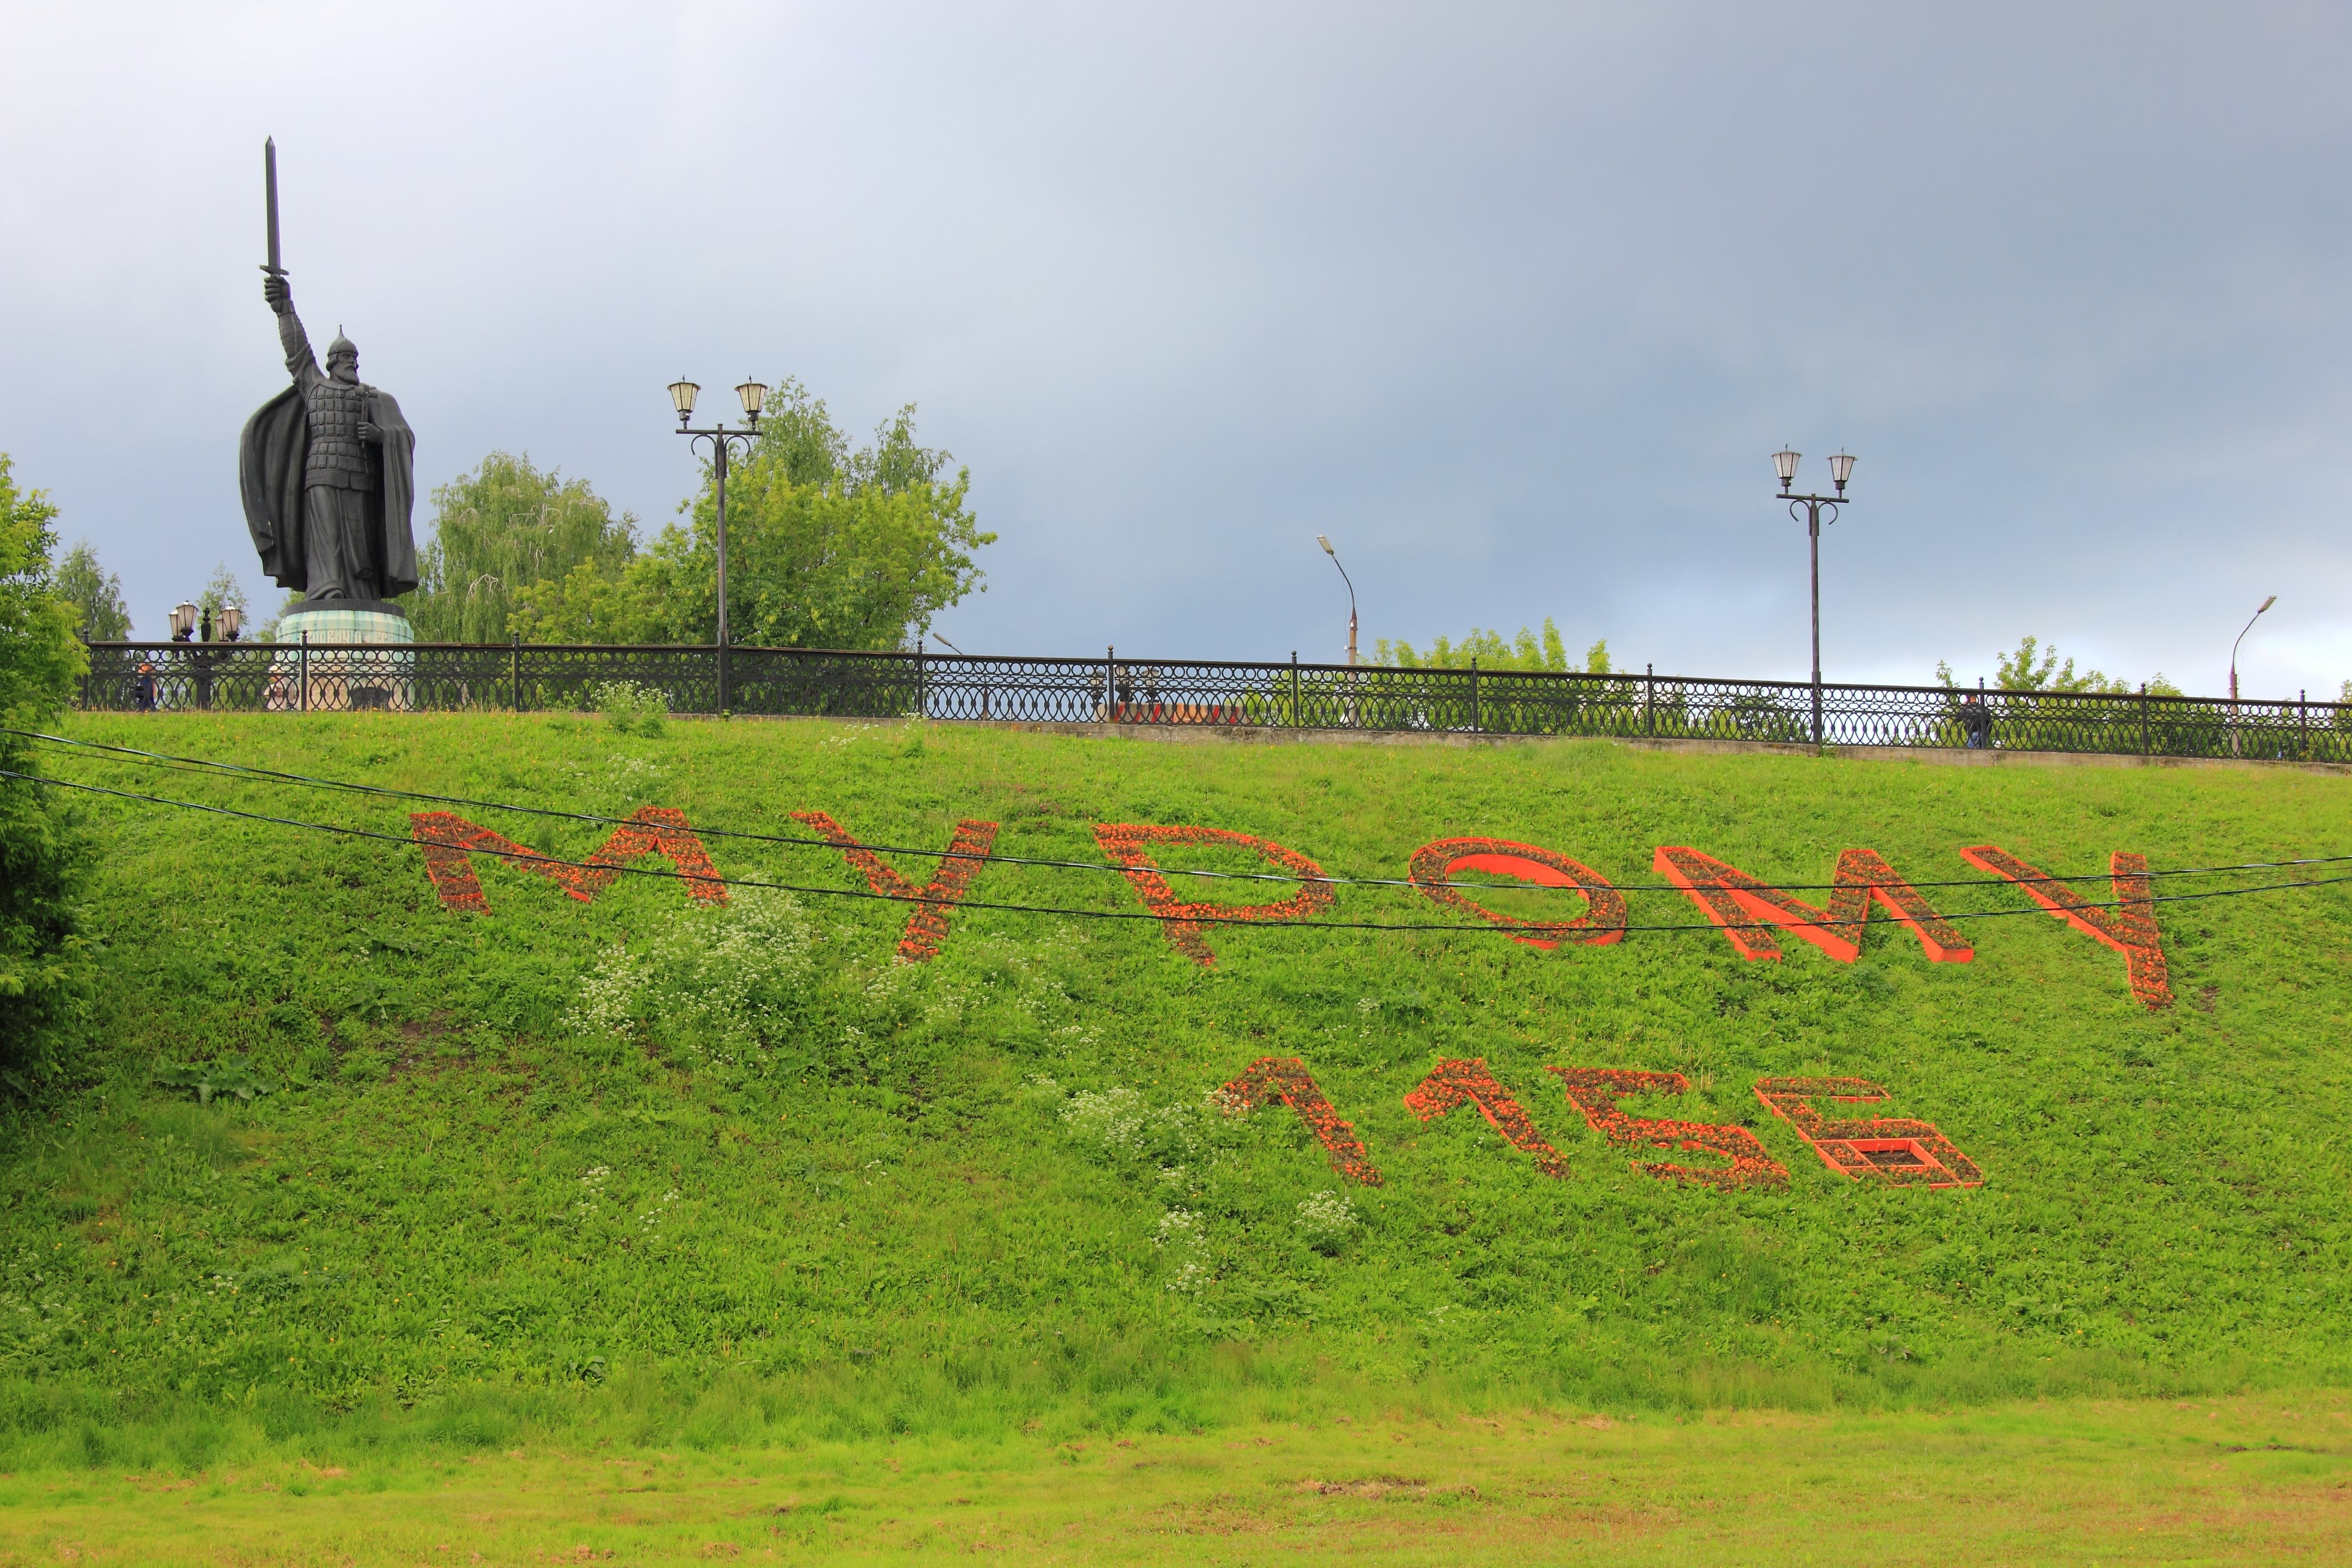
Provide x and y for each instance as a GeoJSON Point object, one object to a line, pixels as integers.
{"type": "Point", "coordinates": [272, 775]}
{"type": "Point", "coordinates": [1201, 919]}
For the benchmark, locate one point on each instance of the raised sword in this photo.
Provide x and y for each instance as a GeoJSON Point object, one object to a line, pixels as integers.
{"type": "Point", "coordinates": [269, 199]}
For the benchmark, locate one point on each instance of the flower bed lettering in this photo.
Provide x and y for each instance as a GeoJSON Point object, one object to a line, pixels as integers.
{"type": "Point", "coordinates": [1594, 1091]}
{"type": "Point", "coordinates": [1285, 1078]}
{"type": "Point", "coordinates": [450, 842]}
{"type": "Point", "coordinates": [927, 926]}
{"type": "Point", "coordinates": [1894, 1149]}
{"type": "Point", "coordinates": [2129, 928]}
{"type": "Point", "coordinates": [1457, 1082]}
{"type": "Point", "coordinates": [1127, 843]}
{"type": "Point", "coordinates": [1739, 903]}
{"type": "Point", "coordinates": [1602, 921]}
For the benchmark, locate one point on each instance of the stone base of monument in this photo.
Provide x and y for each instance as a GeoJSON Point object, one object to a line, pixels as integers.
{"type": "Point", "coordinates": [345, 654]}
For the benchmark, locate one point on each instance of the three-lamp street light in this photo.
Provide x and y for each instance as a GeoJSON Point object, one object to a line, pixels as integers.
{"type": "Point", "coordinates": [1784, 463]}
{"type": "Point", "coordinates": [191, 624]}
{"type": "Point", "coordinates": [204, 629]}
{"type": "Point", "coordinates": [753, 396]}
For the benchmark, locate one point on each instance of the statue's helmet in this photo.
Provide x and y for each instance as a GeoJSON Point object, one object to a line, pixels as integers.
{"type": "Point", "coordinates": [344, 348]}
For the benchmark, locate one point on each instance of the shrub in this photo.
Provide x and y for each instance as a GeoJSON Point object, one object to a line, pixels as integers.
{"type": "Point", "coordinates": [633, 709]}
{"type": "Point", "coordinates": [1121, 1126]}
{"type": "Point", "coordinates": [41, 853]}
{"type": "Point", "coordinates": [1325, 1221]}
{"type": "Point", "coordinates": [721, 984]}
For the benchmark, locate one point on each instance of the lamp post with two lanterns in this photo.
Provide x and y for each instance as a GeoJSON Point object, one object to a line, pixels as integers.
{"type": "Point", "coordinates": [753, 394]}
{"type": "Point", "coordinates": [1784, 463]}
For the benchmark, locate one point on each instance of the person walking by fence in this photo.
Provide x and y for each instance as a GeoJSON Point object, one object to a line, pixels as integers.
{"type": "Point", "coordinates": [1976, 722]}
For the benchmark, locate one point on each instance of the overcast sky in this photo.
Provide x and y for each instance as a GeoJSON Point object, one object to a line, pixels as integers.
{"type": "Point", "coordinates": [1513, 303]}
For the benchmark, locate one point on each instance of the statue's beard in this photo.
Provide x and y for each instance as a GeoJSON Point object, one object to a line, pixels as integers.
{"type": "Point", "coordinates": [344, 370]}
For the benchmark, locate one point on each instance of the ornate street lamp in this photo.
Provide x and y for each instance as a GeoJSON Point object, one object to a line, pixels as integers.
{"type": "Point", "coordinates": [199, 628]}
{"type": "Point", "coordinates": [1784, 463]}
{"type": "Point", "coordinates": [753, 395]}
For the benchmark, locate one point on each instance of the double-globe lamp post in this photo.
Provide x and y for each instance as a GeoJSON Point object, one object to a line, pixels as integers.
{"type": "Point", "coordinates": [753, 394]}
{"type": "Point", "coordinates": [1841, 468]}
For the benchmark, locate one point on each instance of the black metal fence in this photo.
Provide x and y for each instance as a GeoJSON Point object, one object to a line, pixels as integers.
{"type": "Point", "coordinates": [442, 676]}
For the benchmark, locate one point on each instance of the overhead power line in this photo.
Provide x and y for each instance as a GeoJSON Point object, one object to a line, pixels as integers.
{"type": "Point", "coordinates": [675, 875]}
{"type": "Point", "coordinates": [790, 840]}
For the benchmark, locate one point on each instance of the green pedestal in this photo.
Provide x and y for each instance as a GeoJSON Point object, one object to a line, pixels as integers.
{"type": "Point", "coordinates": [341, 657]}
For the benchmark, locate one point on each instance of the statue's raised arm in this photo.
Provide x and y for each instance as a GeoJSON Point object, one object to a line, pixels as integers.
{"type": "Point", "coordinates": [300, 362]}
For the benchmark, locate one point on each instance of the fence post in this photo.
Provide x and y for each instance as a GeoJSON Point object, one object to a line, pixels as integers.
{"type": "Point", "coordinates": [722, 680]}
{"type": "Point", "coordinates": [1649, 699]}
{"type": "Point", "coordinates": [2302, 723]}
{"type": "Point", "coordinates": [922, 692]}
{"type": "Point", "coordinates": [514, 672]}
{"type": "Point", "coordinates": [2143, 718]}
{"type": "Point", "coordinates": [1297, 719]}
{"type": "Point", "coordinates": [1111, 682]}
{"type": "Point", "coordinates": [302, 667]}
{"type": "Point", "coordinates": [1477, 718]}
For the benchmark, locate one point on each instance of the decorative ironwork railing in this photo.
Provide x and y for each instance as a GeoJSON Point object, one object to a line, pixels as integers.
{"type": "Point", "coordinates": [696, 679]}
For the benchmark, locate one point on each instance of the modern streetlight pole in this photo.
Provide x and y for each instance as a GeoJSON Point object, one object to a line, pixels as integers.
{"type": "Point", "coordinates": [2257, 615]}
{"type": "Point", "coordinates": [752, 395]}
{"type": "Point", "coordinates": [1325, 540]}
{"type": "Point", "coordinates": [1840, 467]}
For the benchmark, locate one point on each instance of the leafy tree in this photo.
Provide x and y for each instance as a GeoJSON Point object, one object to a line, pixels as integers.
{"type": "Point", "coordinates": [2035, 668]}
{"type": "Point", "coordinates": [501, 528]}
{"type": "Point", "coordinates": [825, 548]}
{"type": "Point", "coordinates": [223, 588]}
{"type": "Point", "coordinates": [1493, 653]}
{"type": "Point", "coordinates": [41, 854]}
{"type": "Point", "coordinates": [96, 594]}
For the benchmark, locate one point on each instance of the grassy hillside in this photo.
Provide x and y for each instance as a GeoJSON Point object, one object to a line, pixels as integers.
{"type": "Point", "coordinates": [758, 1175]}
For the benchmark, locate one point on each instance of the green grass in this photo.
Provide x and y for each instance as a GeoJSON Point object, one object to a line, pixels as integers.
{"type": "Point", "coordinates": [881, 1222]}
{"type": "Point", "coordinates": [2232, 1482]}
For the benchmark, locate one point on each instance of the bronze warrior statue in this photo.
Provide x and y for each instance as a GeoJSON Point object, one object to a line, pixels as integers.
{"type": "Point", "coordinates": [328, 469]}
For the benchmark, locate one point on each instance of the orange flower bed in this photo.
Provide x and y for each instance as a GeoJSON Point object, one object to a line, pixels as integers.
{"type": "Point", "coordinates": [1594, 1091]}
{"type": "Point", "coordinates": [1457, 1082]}
{"type": "Point", "coordinates": [1285, 1078]}
{"type": "Point", "coordinates": [1742, 904]}
{"type": "Point", "coordinates": [1127, 843]}
{"type": "Point", "coordinates": [1897, 1150]}
{"type": "Point", "coordinates": [2129, 928]}
{"type": "Point", "coordinates": [450, 842]}
{"type": "Point", "coordinates": [1602, 921]}
{"type": "Point", "coordinates": [927, 926]}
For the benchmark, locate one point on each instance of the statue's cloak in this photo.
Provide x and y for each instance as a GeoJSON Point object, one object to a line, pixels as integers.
{"type": "Point", "coordinates": [270, 461]}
